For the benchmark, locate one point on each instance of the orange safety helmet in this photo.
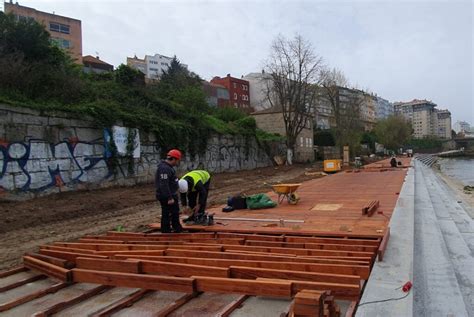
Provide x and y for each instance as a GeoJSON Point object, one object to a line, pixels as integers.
{"type": "Point", "coordinates": [175, 154]}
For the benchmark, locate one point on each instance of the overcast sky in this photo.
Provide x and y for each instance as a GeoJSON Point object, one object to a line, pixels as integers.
{"type": "Point", "coordinates": [400, 50]}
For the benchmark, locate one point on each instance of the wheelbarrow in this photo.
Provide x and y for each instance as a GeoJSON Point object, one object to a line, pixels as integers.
{"type": "Point", "coordinates": [286, 191]}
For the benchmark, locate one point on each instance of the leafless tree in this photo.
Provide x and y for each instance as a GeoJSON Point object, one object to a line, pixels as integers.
{"type": "Point", "coordinates": [345, 105]}
{"type": "Point", "coordinates": [294, 70]}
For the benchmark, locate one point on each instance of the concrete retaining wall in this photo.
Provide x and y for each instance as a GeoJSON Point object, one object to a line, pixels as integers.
{"type": "Point", "coordinates": [47, 153]}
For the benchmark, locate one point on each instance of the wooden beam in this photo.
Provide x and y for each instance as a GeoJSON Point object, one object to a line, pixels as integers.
{"type": "Point", "coordinates": [125, 266]}
{"type": "Point", "coordinates": [73, 301]}
{"type": "Point", "coordinates": [52, 260]}
{"type": "Point", "coordinates": [340, 291]}
{"type": "Point", "coordinates": [29, 297]}
{"type": "Point", "coordinates": [47, 268]}
{"type": "Point", "coordinates": [229, 309]}
{"type": "Point", "coordinates": [12, 271]}
{"type": "Point", "coordinates": [184, 270]}
{"type": "Point", "coordinates": [383, 245]}
{"type": "Point", "coordinates": [300, 252]}
{"type": "Point", "coordinates": [106, 254]}
{"type": "Point", "coordinates": [66, 249]}
{"type": "Point", "coordinates": [352, 309]}
{"type": "Point", "coordinates": [22, 282]}
{"type": "Point", "coordinates": [375, 242]}
{"type": "Point", "coordinates": [120, 304]}
{"type": "Point", "coordinates": [253, 273]}
{"type": "Point", "coordinates": [153, 282]}
{"type": "Point", "coordinates": [176, 304]}
{"type": "Point", "coordinates": [69, 256]}
{"type": "Point", "coordinates": [242, 286]}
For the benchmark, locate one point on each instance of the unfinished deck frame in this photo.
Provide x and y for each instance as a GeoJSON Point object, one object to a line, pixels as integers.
{"type": "Point", "coordinates": [221, 262]}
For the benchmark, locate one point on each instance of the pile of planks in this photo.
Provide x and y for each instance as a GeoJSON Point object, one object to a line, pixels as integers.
{"type": "Point", "coordinates": [370, 208]}
{"type": "Point", "coordinates": [314, 303]}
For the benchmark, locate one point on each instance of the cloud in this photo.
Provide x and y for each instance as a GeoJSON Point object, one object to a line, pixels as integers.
{"type": "Point", "coordinates": [398, 49]}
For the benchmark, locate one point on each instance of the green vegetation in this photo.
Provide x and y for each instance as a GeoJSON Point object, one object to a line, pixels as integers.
{"type": "Point", "coordinates": [393, 132]}
{"type": "Point", "coordinates": [425, 144]}
{"type": "Point", "coordinates": [35, 73]}
{"type": "Point", "coordinates": [324, 138]}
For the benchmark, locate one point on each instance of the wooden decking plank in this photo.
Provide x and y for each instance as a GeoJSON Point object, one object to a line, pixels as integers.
{"type": "Point", "coordinates": [69, 256]}
{"type": "Point", "coordinates": [152, 282]}
{"type": "Point", "coordinates": [73, 301]}
{"type": "Point", "coordinates": [52, 260]}
{"type": "Point", "coordinates": [383, 245]}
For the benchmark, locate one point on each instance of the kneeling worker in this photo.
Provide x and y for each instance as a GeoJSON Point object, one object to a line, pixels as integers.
{"type": "Point", "coordinates": [191, 185]}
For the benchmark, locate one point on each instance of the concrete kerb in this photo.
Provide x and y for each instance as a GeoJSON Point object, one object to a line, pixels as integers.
{"type": "Point", "coordinates": [396, 269]}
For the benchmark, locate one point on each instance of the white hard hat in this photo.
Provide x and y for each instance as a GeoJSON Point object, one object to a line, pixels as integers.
{"type": "Point", "coordinates": [183, 186]}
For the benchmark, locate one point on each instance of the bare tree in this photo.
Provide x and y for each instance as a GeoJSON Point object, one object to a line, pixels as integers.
{"type": "Point", "coordinates": [345, 105]}
{"type": "Point", "coordinates": [294, 70]}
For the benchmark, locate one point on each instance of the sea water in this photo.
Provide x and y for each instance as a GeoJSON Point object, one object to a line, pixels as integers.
{"type": "Point", "coordinates": [459, 168]}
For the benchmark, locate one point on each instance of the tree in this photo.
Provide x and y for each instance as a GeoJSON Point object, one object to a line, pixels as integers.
{"type": "Point", "coordinates": [128, 76]}
{"type": "Point", "coordinates": [345, 105]}
{"type": "Point", "coordinates": [393, 132]}
{"type": "Point", "coordinates": [294, 70]}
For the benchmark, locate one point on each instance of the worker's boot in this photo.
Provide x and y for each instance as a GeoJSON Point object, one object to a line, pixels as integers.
{"type": "Point", "coordinates": [201, 219]}
{"type": "Point", "coordinates": [190, 220]}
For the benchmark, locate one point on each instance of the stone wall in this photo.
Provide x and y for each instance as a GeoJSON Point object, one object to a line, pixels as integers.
{"type": "Point", "coordinates": [42, 154]}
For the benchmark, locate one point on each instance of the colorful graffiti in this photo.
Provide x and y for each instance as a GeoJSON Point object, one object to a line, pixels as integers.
{"type": "Point", "coordinates": [36, 165]}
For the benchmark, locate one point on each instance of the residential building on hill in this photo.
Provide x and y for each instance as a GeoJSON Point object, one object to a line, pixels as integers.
{"type": "Point", "coordinates": [271, 120]}
{"type": "Point", "coordinates": [258, 85]}
{"type": "Point", "coordinates": [153, 66]}
{"type": "Point", "coordinates": [239, 91]}
{"type": "Point", "coordinates": [383, 108]}
{"type": "Point", "coordinates": [66, 32]}
{"type": "Point", "coordinates": [95, 65]}
{"type": "Point", "coordinates": [462, 126]}
{"type": "Point", "coordinates": [426, 120]}
{"type": "Point", "coordinates": [216, 95]}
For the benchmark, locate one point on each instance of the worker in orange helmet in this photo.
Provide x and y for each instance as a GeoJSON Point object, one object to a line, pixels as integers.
{"type": "Point", "coordinates": [166, 184]}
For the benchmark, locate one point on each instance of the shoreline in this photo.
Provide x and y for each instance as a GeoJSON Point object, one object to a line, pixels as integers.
{"type": "Point", "coordinates": [457, 187]}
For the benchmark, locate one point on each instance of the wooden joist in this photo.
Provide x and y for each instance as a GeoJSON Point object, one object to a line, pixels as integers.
{"type": "Point", "coordinates": [228, 309]}
{"type": "Point", "coordinates": [121, 303]}
{"type": "Point", "coordinates": [69, 256]}
{"type": "Point", "coordinates": [176, 304]}
{"type": "Point", "coordinates": [152, 282]}
{"type": "Point", "coordinates": [21, 282]}
{"type": "Point", "coordinates": [47, 268]}
{"type": "Point", "coordinates": [29, 297]}
{"type": "Point", "coordinates": [12, 271]}
{"type": "Point", "coordinates": [52, 260]}
{"type": "Point", "coordinates": [360, 270]}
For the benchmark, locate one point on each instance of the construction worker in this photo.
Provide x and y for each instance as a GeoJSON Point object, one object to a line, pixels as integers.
{"type": "Point", "coordinates": [192, 186]}
{"type": "Point", "coordinates": [166, 184]}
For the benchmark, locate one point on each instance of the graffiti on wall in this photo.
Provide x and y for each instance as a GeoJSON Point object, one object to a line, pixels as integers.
{"type": "Point", "coordinates": [36, 165]}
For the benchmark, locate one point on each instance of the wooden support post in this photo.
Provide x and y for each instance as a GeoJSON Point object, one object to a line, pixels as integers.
{"type": "Point", "coordinates": [226, 311]}
{"type": "Point", "coordinates": [29, 297]}
{"type": "Point", "coordinates": [121, 303]}
{"type": "Point", "coordinates": [22, 282]}
{"type": "Point", "coordinates": [13, 271]}
{"type": "Point", "coordinates": [73, 301]}
{"type": "Point", "coordinates": [176, 304]}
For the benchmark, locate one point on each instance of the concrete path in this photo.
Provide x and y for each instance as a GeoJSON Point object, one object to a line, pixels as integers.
{"type": "Point", "coordinates": [431, 244]}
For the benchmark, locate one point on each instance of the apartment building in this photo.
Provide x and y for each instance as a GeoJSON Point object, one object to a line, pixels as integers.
{"type": "Point", "coordinates": [96, 65]}
{"type": "Point", "coordinates": [66, 32]}
{"type": "Point", "coordinates": [426, 120]}
{"type": "Point", "coordinates": [461, 127]}
{"type": "Point", "coordinates": [153, 66]}
{"type": "Point", "coordinates": [258, 85]}
{"type": "Point", "coordinates": [239, 91]}
{"type": "Point", "coordinates": [216, 95]}
{"type": "Point", "coordinates": [383, 108]}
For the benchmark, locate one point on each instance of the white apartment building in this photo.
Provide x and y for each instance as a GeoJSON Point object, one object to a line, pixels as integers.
{"type": "Point", "coordinates": [153, 66]}
{"type": "Point", "coordinates": [383, 108]}
{"type": "Point", "coordinates": [258, 85]}
{"type": "Point", "coordinates": [462, 126]}
{"type": "Point", "coordinates": [426, 120]}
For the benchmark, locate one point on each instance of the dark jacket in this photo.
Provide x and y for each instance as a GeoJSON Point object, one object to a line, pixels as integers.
{"type": "Point", "coordinates": [166, 182]}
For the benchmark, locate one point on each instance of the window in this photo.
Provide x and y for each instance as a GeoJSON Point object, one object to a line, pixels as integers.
{"type": "Point", "coordinates": [164, 64]}
{"type": "Point", "coordinates": [245, 97]}
{"type": "Point", "coordinates": [58, 27]}
{"type": "Point", "coordinates": [61, 43]}
{"type": "Point", "coordinates": [154, 69]}
{"type": "Point", "coordinates": [245, 87]}
{"type": "Point", "coordinates": [235, 95]}
{"type": "Point", "coordinates": [236, 104]}
{"type": "Point", "coordinates": [235, 85]}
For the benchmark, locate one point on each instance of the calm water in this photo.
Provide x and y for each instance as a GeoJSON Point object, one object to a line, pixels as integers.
{"type": "Point", "coordinates": [460, 168]}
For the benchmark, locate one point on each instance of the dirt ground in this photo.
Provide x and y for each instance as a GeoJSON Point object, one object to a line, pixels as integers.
{"type": "Point", "coordinates": [68, 216]}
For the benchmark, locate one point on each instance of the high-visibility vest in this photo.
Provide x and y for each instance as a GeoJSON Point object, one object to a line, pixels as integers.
{"type": "Point", "coordinates": [198, 175]}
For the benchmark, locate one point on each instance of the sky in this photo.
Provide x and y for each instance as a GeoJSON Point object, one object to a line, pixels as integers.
{"type": "Point", "coordinates": [400, 50]}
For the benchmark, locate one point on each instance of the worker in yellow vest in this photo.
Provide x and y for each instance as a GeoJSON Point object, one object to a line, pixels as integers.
{"type": "Point", "coordinates": [194, 189]}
